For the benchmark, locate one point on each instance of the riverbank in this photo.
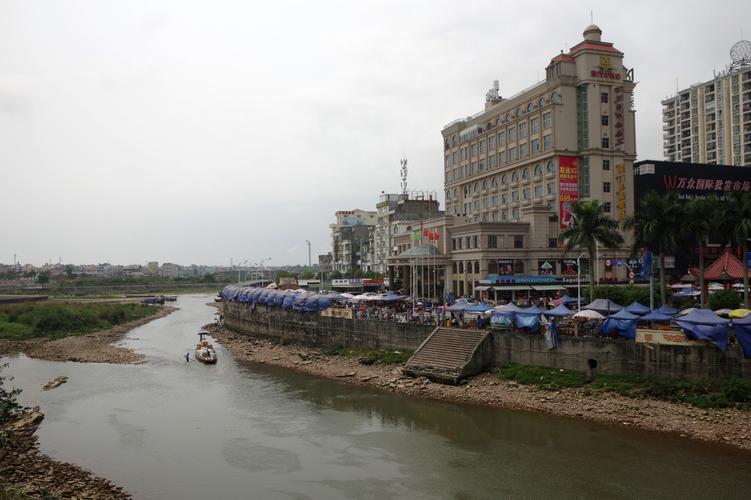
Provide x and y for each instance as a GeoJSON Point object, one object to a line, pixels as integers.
{"type": "Point", "coordinates": [727, 426]}
{"type": "Point", "coordinates": [97, 347]}
{"type": "Point", "coordinates": [25, 470]}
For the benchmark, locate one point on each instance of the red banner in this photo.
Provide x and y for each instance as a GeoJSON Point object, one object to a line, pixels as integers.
{"type": "Point", "coordinates": [568, 188]}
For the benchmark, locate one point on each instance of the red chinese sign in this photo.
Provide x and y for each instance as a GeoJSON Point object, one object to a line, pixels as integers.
{"type": "Point", "coordinates": [568, 188]}
{"type": "Point", "coordinates": [605, 74]}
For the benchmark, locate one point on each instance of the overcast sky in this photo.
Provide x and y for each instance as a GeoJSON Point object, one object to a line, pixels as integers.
{"type": "Point", "coordinates": [196, 132]}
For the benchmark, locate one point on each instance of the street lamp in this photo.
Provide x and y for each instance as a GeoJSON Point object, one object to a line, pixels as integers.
{"type": "Point", "coordinates": [579, 283]}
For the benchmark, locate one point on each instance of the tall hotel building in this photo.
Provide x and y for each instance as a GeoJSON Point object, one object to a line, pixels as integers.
{"type": "Point", "coordinates": [512, 170]}
{"type": "Point", "coordinates": [711, 122]}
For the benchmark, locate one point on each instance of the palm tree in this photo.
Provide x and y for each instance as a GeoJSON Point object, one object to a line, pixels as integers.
{"type": "Point", "coordinates": [589, 225]}
{"type": "Point", "coordinates": [702, 218]}
{"type": "Point", "coordinates": [738, 217]}
{"type": "Point", "coordinates": [655, 221]}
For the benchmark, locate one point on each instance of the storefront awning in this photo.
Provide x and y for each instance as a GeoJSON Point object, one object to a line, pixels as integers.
{"type": "Point", "coordinates": [511, 288]}
{"type": "Point", "coordinates": [548, 288]}
{"type": "Point", "coordinates": [483, 288]}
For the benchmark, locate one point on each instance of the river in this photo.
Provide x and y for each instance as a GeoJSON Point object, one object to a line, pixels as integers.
{"type": "Point", "coordinates": [167, 429]}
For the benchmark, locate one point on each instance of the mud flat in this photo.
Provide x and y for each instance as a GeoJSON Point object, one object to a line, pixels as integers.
{"type": "Point", "coordinates": [727, 425]}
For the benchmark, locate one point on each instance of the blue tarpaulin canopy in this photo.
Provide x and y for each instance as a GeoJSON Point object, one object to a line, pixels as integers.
{"type": "Point", "coordinates": [622, 322]}
{"type": "Point", "coordinates": [566, 300]}
{"type": "Point", "coordinates": [392, 297]}
{"type": "Point", "coordinates": [637, 308]}
{"type": "Point", "coordinates": [656, 316]}
{"type": "Point", "coordinates": [478, 308]}
{"type": "Point", "coordinates": [703, 324]}
{"type": "Point", "coordinates": [559, 311]}
{"type": "Point", "coordinates": [507, 308]}
{"type": "Point", "coordinates": [624, 314]}
{"type": "Point", "coordinates": [459, 305]}
{"type": "Point", "coordinates": [742, 327]}
{"type": "Point", "coordinates": [532, 310]}
{"type": "Point", "coordinates": [670, 311]}
{"type": "Point", "coordinates": [529, 318]}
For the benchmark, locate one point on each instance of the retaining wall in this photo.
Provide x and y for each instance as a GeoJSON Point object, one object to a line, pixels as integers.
{"type": "Point", "coordinates": [603, 355]}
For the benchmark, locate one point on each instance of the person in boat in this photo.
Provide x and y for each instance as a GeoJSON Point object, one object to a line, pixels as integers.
{"type": "Point", "coordinates": [187, 357]}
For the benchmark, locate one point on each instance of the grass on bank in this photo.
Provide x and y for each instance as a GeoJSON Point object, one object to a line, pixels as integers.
{"type": "Point", "coordinates": [371, 356]}
{"type": "Point", "coordinates": [34, 320]}
{"type": "Point", "coordinates": [734, 392]}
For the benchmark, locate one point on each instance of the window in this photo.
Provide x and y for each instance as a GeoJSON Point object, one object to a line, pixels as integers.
{"type": "Point", "coordinates": [604, 120]}
{"type": "Point", "coordinates": [514, 195]}
{"type": "Point", "coordinates": [533, 126]}
{"type": "Point", "coordinates": [504, 180]}
{"type": "Point", "coordinates": [604, 97]}
{"type": "Point", "coordinates": [538, 192]}
{"type": "Point", "coordinates": [494, 200]}
{"type": "Point", "coordinates": [504, 199]}
{"type": "Point", "coordinates": [547, 120]}
{"type": "Point", "coordinates": [491, 142]}
{"type": "Point", "coordinates": [549, 167]}
{"type": "Point", "coordinates": [534, 146]}
{"type": "Point", "coordinates": [515, 214]}
{"type": "Point", "coordinates": [551, 188]}
{"type": "Point", "coordinates": [511, 154]}
{"type": "Point", "coordinates": [504, 215]}
{"type": "Point", "coordinates": [538, 171]}
{"type": "Point", "coordinates": [476, 245]}
{"type": "Point", "coordinates": [606, 207]}
{"type": "Point", "coordinates": [525, 173]}
{"type": "Point", "coordinates": [606, 164]}
{"type": "Point", "coordinates": [453, 247]}
{"type": "Point", "coordinates": [605, 142]}
{"type": "Point", "coordinates": [522, 131]}
{"type": "Point", "coordinates": [494, 182]}
{"type": "Point", "coordinates": [493, 161]}
{"type": "Point", "coordinates": [519, 241]}
{"type": "Point", "coordinates": [512, 134]}
{"type": "Point", "coordinates": [482, 147]}
{"type": "Point", "coordinates": [464, 153]}
{"type": "Point", "coordinates": [523, 151]}
{"type": "Point", "coordinates": [454, 157]}
{"type": "Point", "coordinates": [501, 139]}
{"type": "Point", "coordinates": [475, 187]}
{"type": "Point", "coordinates": [547, 142]}
{"type": "Point", "coordinates": [476, 206]}
{"type": "Point", "coordinates": [482, 165]}
{"type": "Point", "coordinates": [474, 168]}
{"type": "Point", "coordinates": [485, 204]}
{"type": "Point", "coordinates": [501, 157]}
{"type": "Point", "coordinates": [514, 176]}
{"type": "Point", "coordinates": [605, 187]}
{"type": "Point", "coordinates": [484, 184]}
{"type": "Point", "coordinates": [552, 243]}
{"type": "Point", "coordinates": [466, 190]}
{"type": "Point", "coordinates": [526, 194]}
{"type": "Point", "coordinates": [474, 150]}
{"type": "Point", "coordinates": [492, 240]}
{"type": "Point", "coordinates": [495, 217]}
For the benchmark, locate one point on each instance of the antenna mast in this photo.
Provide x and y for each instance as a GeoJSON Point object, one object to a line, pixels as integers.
{"type": "Point", "coordinates": [403, 164]}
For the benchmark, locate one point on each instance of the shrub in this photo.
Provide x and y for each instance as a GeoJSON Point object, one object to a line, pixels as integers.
{"type": "Point", "coordinates": [724, 299]}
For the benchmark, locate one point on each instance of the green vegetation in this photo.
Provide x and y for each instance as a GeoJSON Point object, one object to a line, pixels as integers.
{"type": "Point", "coordinates": [624, 295]}
{"type": "Point", "coordinates": [8, 398]}
{"type": "Point", "coordinates": [731, 393]}
{"type": "Point", "coordinates": [25, 321]}
{"type": "Point", "coordinates": [370, 356]}
{"type": "Point", "coordinates": [724, 299]}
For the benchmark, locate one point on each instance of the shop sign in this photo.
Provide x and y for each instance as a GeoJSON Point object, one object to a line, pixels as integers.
{"type": "Point", "coordinates": [676, 182]}
{"type": "Point", "coordinates": [568, 188]}
{"type": "Point", "coordinates": [568, 267]}
{"type": "Point", "coordinates": [505, 267]}
{"type": "Point", "coordinates": [545, 267]}
{"type": "Point", "coordinates": [666, 337]}
{"type": "Point", "coordinates": [606, 74]}
{"type": "Point", "coordinates": [618, 116]}
{"type": "Point", "coordinates": [620, 191]}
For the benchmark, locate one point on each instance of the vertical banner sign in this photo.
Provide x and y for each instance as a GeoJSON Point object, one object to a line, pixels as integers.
{"type": "Point", "coordinates": [620, 191]}
{"type": "Point", "coordinates": [568, 188]}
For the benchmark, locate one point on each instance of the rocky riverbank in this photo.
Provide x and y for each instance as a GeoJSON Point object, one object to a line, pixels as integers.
{"type": "Point", "coordinates": [24, 469]}
{"type": "Point", "coordinates": [97, 347]}
{"type": "Point", "coordinates": [728, 426]}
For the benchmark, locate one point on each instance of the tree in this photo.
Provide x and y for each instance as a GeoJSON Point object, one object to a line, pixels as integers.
{"type": "Point", "coordinates": [589, 225]}
{"type": "Point", "coordinates": [724, 299]}
{"type": "Point", "coordinates": [738, 217]}
{"type": "Point", "coordinates": [8, 398]}
{"type": "Point", "coordinates": [43, 277]}
{"type": "Point", "coordinates": [702, 218]}
{"type": "Point", "coordinates": [654, 223]}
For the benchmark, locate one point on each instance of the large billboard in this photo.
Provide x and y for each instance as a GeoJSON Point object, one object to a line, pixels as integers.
{"type": "Point", "coordinates": [568, 188]}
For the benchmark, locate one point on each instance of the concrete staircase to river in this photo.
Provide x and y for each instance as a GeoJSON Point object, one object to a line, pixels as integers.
{"type": "Point", "coordinates": [451, 354]}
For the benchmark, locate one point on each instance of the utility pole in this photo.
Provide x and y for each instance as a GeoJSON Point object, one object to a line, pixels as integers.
{"type": "Point", "coordinates": [308, 242]}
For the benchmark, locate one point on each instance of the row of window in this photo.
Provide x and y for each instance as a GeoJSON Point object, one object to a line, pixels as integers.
{"type": "Point", "coordinates": [500, 139]}
{"type": "Point", "coordinates": [524, 151]}
{"type": "Point", "coordinates": [491, 241]}
{"type": "Point", "coordinates": [503, 180]}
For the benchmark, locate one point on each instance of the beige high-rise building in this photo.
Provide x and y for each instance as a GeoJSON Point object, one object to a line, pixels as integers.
{"type": "Point", "coordinates": [711, 122]}
{"type": "Point", "coordinates": [512, 170]}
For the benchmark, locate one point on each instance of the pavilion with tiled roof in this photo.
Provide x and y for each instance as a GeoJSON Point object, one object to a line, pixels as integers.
{"type": "Point", "coordinates": [726, 268]}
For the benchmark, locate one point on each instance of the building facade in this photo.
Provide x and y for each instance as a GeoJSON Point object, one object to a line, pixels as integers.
{"type": "Point", "coordinates": [512, 170]}
{"type": "Point", "coordinates": [397, 213]}
{"type": "Point", "coordinates": [352, 240]}
{"type": "Point", "coordinates": [710, 122]}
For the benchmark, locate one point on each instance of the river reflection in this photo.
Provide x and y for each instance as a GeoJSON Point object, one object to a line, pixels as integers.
{"type": "Point", "coordinates": [170, 429]}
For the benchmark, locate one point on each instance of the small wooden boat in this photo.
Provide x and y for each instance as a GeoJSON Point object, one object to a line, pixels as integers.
{"type": "Point", "coordinates": [205, 352]}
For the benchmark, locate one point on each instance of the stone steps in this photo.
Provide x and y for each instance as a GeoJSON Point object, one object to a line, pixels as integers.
{"type": "Point", "coordinates": [446, 354]}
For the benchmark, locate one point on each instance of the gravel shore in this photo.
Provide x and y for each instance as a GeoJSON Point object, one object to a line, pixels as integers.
{"type": "Point", "coordinates": [24, 469]}
{"type": "Point", "coordinates": [728, 426]}
{"type": "Point", "coordinates": [94, 347]}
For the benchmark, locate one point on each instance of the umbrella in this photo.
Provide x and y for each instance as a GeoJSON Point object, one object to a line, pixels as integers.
{"type": "Point", "coordinates": [739, 313]}
{"type": "Point", "coordinates": [723, 312]}
{"type": "Point", "coordinates": [561, 310]}
{"type": "Point", "coordinates": [589, 314]}
{"type": "Point", "coordinates": [637, 308]}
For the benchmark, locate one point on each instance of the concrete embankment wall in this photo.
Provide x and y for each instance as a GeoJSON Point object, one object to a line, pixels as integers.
{"type": "Point", "coordinates": [605, 356]}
